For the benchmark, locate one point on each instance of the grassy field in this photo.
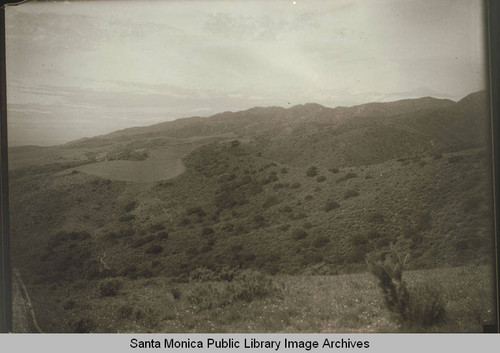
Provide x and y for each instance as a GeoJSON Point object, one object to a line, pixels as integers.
{"type": "Point", "coordinates": [342, 303]}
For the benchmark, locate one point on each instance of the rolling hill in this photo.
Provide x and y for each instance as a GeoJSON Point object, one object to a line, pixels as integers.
{"type": "Point", "coordinates": [303, 190]}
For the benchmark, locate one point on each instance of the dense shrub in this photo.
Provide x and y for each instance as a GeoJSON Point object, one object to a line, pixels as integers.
{"type": "Point", "coordinates": [455, 159]}
{"type": "Point", "coordinates": [295, 185]}
{"type": "Point", "coordinates": [110, 288]}
{"type": "Point", "coordinates": [312, 171]}
{"type": "Point", "coordinates": [198, 211]}
{"type": "Point", "coordinates": [130, 206]}
{"type": "Point", "coordinates": [350, 193]}
{"type": "Point", "coordinates": [298, 234]}
{"type": "Point", "coordinates": [157, 227]}
{"type": "Point", "coordinates": [320, 241]}
{"type": "Point", "coordinates": [84, 325]}
{"type": "Point", "coordinates": [124, 311]}
{"type": "Point", "coordinates": [421, 305]}
{"type": "Point", "coordinates": [143, 240]}
{"type": "Point", "coordinates": [348, 176]}
{"type": "Point", "coordinates": [270, 201]}
{"type": "Point", "coordinates": [154, 249]}
{"type": "Point", "coordinates": [207, 231]}
{"type": "Point", "coordinates": [438, 156]}
{"type": "Point", "coordinates": [334, 170]}
{"type": "Point", "coordinates": [321, 178]}
{"type": "Point", "coordinates": [127, 218]}
{"type": "Point", "coordinates": [331, 205]}
{"type": "Point", "coordinates": [162, 235]}
{"type": "Point", "coordinates": [249, 285]}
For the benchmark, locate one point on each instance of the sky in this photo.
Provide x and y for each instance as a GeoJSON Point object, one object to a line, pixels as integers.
{"type": "Point", "coordinates": [81, 69]}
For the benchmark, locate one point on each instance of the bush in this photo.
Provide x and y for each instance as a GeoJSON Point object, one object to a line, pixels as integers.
{"type": "Point", "coordinates": [203, 274]}
{"type": "Point", "coordinates": [270, 201]}
{"type": "Point", "coordinates": [110, 288]}
{"type": "Point", "coordinates": [438, 156]}
{"type": "Point", "coordinates": [70, 304]}
{"type": "Point", "coordinates": [154, 249]}
{"type": "Point", "coordinates": [141, 241]}
{"type": "Point", "coordinates": [162, 235]}
{"type": "Point", "coordinates": [207, 231]}
{"type": "Point", "coordinates": [455, 159]}
{"type": "Point", "coordinates": [196, 211]}
{"type": "Point", "coordinates": [298, 234]}
{"type": "Point", "coordinates": [127, 218]}
{"type": "Point", "coordinates": [295, 185]}
{"type": "Point", "coordinates": [331, 205]}
{"type": "Point", "coordinates": [157, 227]}
{"type": "Point", "coordinates": [130, 206]}
{"type": "Point", "coordinates": [85, 325]}
{"type": "Point", "coordinates": [348, 176]}
{"type": "Point", "coordinates": [350, 193]}
{"type": "Point", "coordinates": [249, 285]}
{"type": "Point", "coordinates": [312, 171]}
{"type": "Point", "coordinates": [320, 241]}
{"type": "Point", "coordinates": [420, 305]}
{"type": "Point", "coordinates": [125, 311]}
{"type": "Point", "coordinates": [176, 292]}
{"type": "Point", "coordinates": [321, 178]}
{"type": "Point", "coordinates": [334, 170]}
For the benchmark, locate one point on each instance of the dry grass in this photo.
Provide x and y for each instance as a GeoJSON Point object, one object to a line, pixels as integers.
{"type": "Point", "coordinates": [343, 303]}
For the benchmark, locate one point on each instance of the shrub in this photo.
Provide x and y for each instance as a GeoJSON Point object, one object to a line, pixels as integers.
{"type": "Point", "coordinates": [455, 159]}
{"type": "Point", "coordinates": [438, 156]}
{"type": "Point", "coordinates": [331, 205]}
{"type": "Point", "coordinates": [270, 201]}
{"type": "Point", "coordinates": [334, 170]}
{"type": "Point", "coordinates": [312, 171]}
{"type": "Point", "coordinates": [110, 288]}
{"type": "Point", "coordinates": [154, 249]}
{"type": "Point", "coordinates": [176, 292]}
{"type": "Point", "coordinates": [141, 241]}
{"type": "Point", "coordinates": [157, 227]}
{"type": "Point", "coordinates": [350, 193]}
{"type": "Point", "coordinates": [249, 285]}
{"type": "Point", "coordinates": [130, 206]}
{"type": "Point", "coordinates": [127, 218]}
{"type": "Point", "coordinates": [70, 304]}
{"type": "Point", "coordinates": [196, 211]}
{"type": "Point", "coordinates": [376, 217]}
{"type": "Point", "coordinates": [129, 270]}
{"type": "Point", "coordinates": [284, 170]}
{"type": "Point", "coordinates": [203, 274]}
{"type": "Point", "coordinates": [321, 178]}
{"type": "Point", "coordinates": [320, 241]}
{"type": "Point", "coordinates": [85, 325]}
{"type": "Point", "coordinates": [419, 305]}
{"type": "Point", "coordinates": [298, 234]}
{"type": "Point", "coordinates": [162, 235]}
{"type": "Point", "coordinates": [184, 222]}
{"type": "Point", "coordinates": [207, 231]}
{"type": "Point", "coordinates": [295, 185]}
{"type": "Point", "coordinates": [278, 186]}
{"type": "Point", "coordinates": [348, 176]}
{"type": "Point", "coordinates": [125, 311]}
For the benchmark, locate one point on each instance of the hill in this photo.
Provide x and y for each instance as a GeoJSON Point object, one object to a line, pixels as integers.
{"type": "Point", "coordinates": [305, 190]}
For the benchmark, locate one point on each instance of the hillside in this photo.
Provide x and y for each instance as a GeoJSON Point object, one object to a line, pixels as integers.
{"type": "Point", "coordinates": [306, 190]}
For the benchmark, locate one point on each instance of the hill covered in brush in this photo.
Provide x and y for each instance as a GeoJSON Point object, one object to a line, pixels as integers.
{"type": "Point", "coordinates": [303, 190]}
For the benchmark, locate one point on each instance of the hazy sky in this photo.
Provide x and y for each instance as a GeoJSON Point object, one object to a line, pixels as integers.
{"type": "Point", "coordinates": [78, 69]}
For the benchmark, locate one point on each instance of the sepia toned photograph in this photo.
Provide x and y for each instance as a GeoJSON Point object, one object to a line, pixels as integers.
{"type": "Point", "coordinates": [250, 166]}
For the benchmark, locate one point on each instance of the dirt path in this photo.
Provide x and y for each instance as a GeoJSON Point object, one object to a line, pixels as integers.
{"type": "Point", "coordinates": [23, 316]}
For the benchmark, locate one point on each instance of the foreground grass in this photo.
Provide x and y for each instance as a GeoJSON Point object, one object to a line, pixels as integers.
{"type": "Point", "coordinates": [343, 303]}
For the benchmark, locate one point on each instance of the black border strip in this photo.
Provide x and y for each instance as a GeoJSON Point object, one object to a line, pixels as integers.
{"type": "Point", "coordinates": [5, 268]}
{"type": "Point", "coordinates": [493, 21]}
